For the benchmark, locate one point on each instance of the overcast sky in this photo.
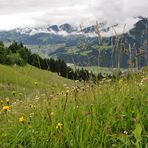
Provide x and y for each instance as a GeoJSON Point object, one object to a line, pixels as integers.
{"type": "Point", "coordinates": [22, 13]}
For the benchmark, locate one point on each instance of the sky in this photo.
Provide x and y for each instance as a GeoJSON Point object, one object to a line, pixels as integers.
{"type": "Point", "coordinates": [33, 13]}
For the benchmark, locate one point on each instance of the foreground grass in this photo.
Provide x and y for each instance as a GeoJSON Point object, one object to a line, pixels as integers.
{"type": "Point", "coordinates": [109, 114]}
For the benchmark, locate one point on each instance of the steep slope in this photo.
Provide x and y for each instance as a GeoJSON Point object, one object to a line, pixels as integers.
{"type": "Point", "coordinates": [28, 79]}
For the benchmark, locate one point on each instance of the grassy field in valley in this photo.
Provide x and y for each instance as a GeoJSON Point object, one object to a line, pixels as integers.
{"type": "Point", "coordinates": [77, 115]}
{"type": "Point", "coordinates": [94, 69]}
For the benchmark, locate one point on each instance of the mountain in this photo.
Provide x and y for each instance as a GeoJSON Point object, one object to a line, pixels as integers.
{"type": "Point", "coordinates": [50, 34]}
{"type": "Point", "coordinates": [81, 46]}
{"type": "Point", "coordinates": [64, 29]}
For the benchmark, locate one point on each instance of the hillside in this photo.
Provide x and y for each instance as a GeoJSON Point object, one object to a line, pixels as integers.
{"type": "Point", "coordinates": [28, 79]}
{"type": "Point", "coordinates": [81, 47]}
{"type": "Point", "coordinates": [109, 114]}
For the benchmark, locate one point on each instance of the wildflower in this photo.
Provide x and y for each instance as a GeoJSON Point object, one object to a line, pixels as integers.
{"type": "Point", "coordinates": [67, 92]}
{"type": "Point", "coordinates": [141, 84]}
{"type": "Point", "coordinates": [65, 85]}
{"type": "Point", "coordinates": [83, 88]}
{"type": "Point", "coordinates": [37, 98]}
{"type": "Point", "coordinates": [6, 108]}
{"type": "Point", "coordinates": [8, 100]}
{"type": "Point", "coordinates": [30, 105]}
{"type": "Point", "coordinates": [43, 95]}
{"type": "Point", "coordinates": [14, 93]}
{"type": "Point", "coordinates": [20, 94]}
{"type": "Point", "coordinates": [125, 132]}
{"type": "Point", "coordinates": [59, 126]}
{"type": "Point", "coordinates": [51, 113]}
{"type": "Point", "coordinates": [76, 107]}
{"type": "Point", "coordinates": [31, 115]}
{"type": "Point", "coordinates": [51, 96]}
{"type": "Point", "coordinates": [36, 83]}
{"type": "Point", "coordinates": [29, 126]}
{"type": "Point", "coordinates": [109, 80]}
{"type": "Point", "coordinates": [76, 81]}
{"type": "Point", "coordinates": [1, 102]}
{"type": "Point", "coordinates": [22, 119]}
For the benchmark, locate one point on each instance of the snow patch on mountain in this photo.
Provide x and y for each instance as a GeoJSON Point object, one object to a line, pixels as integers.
{"type": "Point", "coordinates": [64, 30]}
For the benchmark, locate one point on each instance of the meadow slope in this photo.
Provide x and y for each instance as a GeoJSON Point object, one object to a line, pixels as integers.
{"type": "Point", "coordinates": [112, 113]}
{"type": "Point", "coordinates": [27, 79]}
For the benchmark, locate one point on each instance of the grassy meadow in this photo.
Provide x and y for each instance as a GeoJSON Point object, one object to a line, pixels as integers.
{"type": "Point", "coordinates": [29, 80]}
{"type": "Point", "coordinates": [95, 69]}
{"type": "Point", "coordinates": [39, 109]}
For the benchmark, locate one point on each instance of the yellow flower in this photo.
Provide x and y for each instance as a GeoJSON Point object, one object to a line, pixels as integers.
{"type": "Point", "coordinates": [51, 113]}
{"type": "Point", "coordinates": [35, 83]}
{"type": "Point", "coordinates": [67, 92]}
{"type": "Point", "coordinates": [22, 119]}
{"type": "Point", "coordinates": [6, 108]}
{"type": "Point", "coordinates": [1, 102]}
{"type": "Point", "coordinates": [59, 126]}
{"type": "Point", "coordinates": [29, 126]}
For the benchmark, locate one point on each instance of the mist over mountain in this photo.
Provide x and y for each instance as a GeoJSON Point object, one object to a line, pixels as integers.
{"type": "Point", "coordinates": [64, 29]}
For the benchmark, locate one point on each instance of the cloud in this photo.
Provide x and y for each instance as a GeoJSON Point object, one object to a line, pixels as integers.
{"type": "Point", "coordinates": [14, 13]}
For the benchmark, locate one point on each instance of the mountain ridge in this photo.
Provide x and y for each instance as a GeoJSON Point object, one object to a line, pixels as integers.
{"type": "Point", "coordinates": [63, 29]}
{"type": "Point", "coordinates": [82, 47]}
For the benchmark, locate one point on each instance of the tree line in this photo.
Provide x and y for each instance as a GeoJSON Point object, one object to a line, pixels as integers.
{"type": "Point", "coordinates": [20, 55]}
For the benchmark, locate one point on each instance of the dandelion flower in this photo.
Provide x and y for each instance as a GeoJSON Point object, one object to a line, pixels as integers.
{"type": "Point", "coordinates": [59, 126]}
{"type": "Point", "coordinates": [51, 113]}
{"type": "Point", "coordinates": [6, 108]}
{"type": "Point", "coordinates": [22, 119]}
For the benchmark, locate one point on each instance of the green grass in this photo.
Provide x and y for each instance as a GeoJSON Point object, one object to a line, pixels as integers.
{"type": "Point", "coordinates": [108, 114]}
{"type": "Point", "coordinates": [72, 50]}
{"type": "Point", "coordinates": [23, 78]}
{"type": "Point", "coordinates": [103, 47]}
{"type": "Point", "coordinates": [94, 69]}
{"type": "Point", "coordinates": [97, 69]}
